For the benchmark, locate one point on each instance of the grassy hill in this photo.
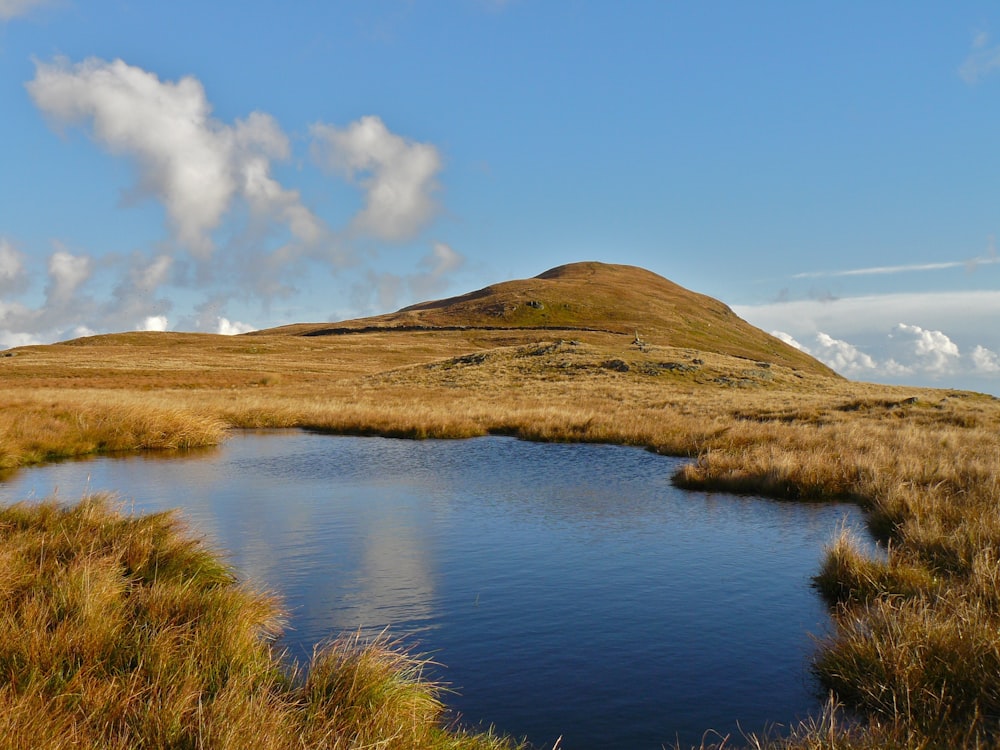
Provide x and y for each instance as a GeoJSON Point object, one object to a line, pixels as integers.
{"type": "Point", "coordinates": [590, 297]}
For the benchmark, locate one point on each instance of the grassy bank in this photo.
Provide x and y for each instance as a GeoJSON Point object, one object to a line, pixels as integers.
{"type": "Point", "coordinates": [123, 632]}
{"type": "Point", "coordinates": [916, 655]}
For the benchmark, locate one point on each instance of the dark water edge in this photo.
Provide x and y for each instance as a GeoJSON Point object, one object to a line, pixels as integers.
{"type": "Point", "coordinates": [567, 590]}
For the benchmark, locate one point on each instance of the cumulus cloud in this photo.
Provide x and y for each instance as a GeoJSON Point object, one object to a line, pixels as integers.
{"type": "Point", "coordinates": [931, 352]}
{"type": "Point", "coordinates": [12, 273]}
{"type": "Point", "coordinates": [235, 230]}
{"type": "Point", "coordinates": [65, 307]}
{"type": "Point", "coordinates": [185, 158]}
{"type": "Point", "coordinates": [84, 294]}
{"type": "Point", "coordinates": [155, 323]}
{"type": "Point", "coordinates": [965, 312]}
{"type": "Point", "coordinates": [398, 175]}
{"type": "Point", "coordinates": [904, 353]}
{"type": "Point", "coordinates": [983, 59]}
{"type": "Point", "coordinates": [843, 357]}
{"type": "Point", "coordinates": [10, 339]}
{"type": "Point", "coordinates": [232, 328]}
{"type": "Point", "coordinates": [790, 340]}
{"type": "Point", "coordinates": [985, 361]}
{"type": "Point", "coordinates": [66, 273]}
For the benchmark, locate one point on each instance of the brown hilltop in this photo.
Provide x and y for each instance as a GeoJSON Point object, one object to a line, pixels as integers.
{"type": "Point", "coordinates": [589, 296]}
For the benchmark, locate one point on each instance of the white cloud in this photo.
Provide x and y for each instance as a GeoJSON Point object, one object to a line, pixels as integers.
{"type": "Point", "coordinates": [259, 139]}
{"type": "Point", "coordinates": [66, 273]}
{"type": "Point", "coordinates": [146, 278]}
{"type": "Point", "coordinates": [960, 313]}
{"type": "Point", "coordinates": [12, 274]}
{"type": "Point", "coordinates": [76, 301]}
{"type": "Point", "coordinates": [14, 8]}
{"type": "Point", "coordinates": [931, 352]}
{"type": "Point", "coordinates": [900, 352]}
{"type": "Point", "coordinates": [235, 229]}
{"type": "Point", "coordinates": [191, 162]}
{"type": "Point", "coordinates": [233, 328]}
{"type": "Point", "coordinates": [10, 339]}
{"type": "Point", "coordinates": [389, 290]}
{"type": "Point", "coordinates": [982, 60]}
{"type": "Point", "coordinates": [398, 175]}
{"type": "Point", "coordinates": [985, 360]}
{"type": "Point", "coordinates": [790, 341]}
{"type": "Point", "coordinates": [971, 263]}
{"type": "Point", "coordinates": [155, 323]}
{"type": "Point", "coordinates": [843, 357]}
{"type": "Point", "coordinates": [441, 261]}
{"type": "Point", "coordinates": [182, 156]}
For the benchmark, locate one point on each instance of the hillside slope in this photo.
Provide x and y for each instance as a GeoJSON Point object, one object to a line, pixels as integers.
{"type": "Point", "coordinates": [590, 296]}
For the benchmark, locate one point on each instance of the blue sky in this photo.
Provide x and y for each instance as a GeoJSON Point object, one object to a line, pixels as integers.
{"type": "Point", "coordinates": [829, 170]}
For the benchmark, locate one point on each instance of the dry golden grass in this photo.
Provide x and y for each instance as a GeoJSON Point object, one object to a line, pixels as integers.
{"type": "Point", "coordinates": [123, 632]}
{"type": "Point", "coordinates": [917, 652]}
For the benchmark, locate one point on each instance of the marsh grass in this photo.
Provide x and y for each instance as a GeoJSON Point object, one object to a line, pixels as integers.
{"type": "Point", "coordinates": [850, 575]}
{"type": "Point", "coordinates": [914, 654]}
{"type": "Point", "coordinates": [125, 632]}
{"type": "Point", "coordinates": [36, 427]}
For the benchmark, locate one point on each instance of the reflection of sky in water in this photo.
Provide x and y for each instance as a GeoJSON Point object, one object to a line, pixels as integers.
{"type": "Point", "coordinates": [569, 589]}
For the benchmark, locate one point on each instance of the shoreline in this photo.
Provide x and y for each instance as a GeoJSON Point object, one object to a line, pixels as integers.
{"type": "Point", "coordinates": [661, 467]}
{"type": "Point", "coordinates": [919, 633]}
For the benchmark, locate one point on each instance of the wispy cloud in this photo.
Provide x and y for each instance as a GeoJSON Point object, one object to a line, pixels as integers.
{"type": "Point", "coordinates": [389, 290]}
{"type": "Point", "coordinates": [914, 267]}
{"type": "Point", "coordinates": [982, 60]}
{"type": "Point", "coordinates": [12, 274]}
{"type": "Point", "coordinates": [14, 8]}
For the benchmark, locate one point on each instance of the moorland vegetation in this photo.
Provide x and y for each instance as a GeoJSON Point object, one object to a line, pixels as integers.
{"type": "Point", "coordinates": [587, 352]}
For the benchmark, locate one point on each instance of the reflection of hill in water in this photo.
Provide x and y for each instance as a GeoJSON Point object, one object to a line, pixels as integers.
{"type": "Point", "coordinates": [568, 589]}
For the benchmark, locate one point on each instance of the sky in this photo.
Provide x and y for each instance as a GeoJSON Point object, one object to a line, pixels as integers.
{"type": "Point", "coordinates": [829, 170]}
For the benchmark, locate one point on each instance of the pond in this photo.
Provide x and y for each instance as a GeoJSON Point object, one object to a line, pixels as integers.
{"type": "Point", "coordinates": [565, 590]}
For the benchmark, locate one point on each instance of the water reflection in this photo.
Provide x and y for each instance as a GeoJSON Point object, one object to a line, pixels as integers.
{"type": "Point", "coordinates": [570, 590]}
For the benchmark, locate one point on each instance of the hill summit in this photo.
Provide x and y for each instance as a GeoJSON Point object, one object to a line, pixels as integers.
{"type": "Point", "coordinates": [590, 296]}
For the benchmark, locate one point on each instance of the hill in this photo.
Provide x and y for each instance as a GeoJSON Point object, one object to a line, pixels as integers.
{"type": "Point", "coordinates": [589, 297]}
{"type": "Point", "coordinates": [915, 658]}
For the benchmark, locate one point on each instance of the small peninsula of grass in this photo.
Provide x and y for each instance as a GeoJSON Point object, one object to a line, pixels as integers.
{"type": "Point", "coordinates": [914, 661]}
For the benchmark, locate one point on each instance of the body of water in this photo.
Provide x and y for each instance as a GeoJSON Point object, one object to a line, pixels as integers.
{"type": "Point", "coordinates": [566, 590]}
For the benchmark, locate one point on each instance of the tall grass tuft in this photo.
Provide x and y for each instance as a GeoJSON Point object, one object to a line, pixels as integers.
{"type": "Point", "coordinates": [125, 632]}
{"type": "Point", "coordinates": [851, 576]}
{"type": "Point", "coordinates": [931, 669]}
{"type": "Point", "coordinates": [365, 693]}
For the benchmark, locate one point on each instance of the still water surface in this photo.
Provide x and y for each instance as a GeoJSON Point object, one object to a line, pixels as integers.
{"type": "Point", "coordinates": [567, 589]}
